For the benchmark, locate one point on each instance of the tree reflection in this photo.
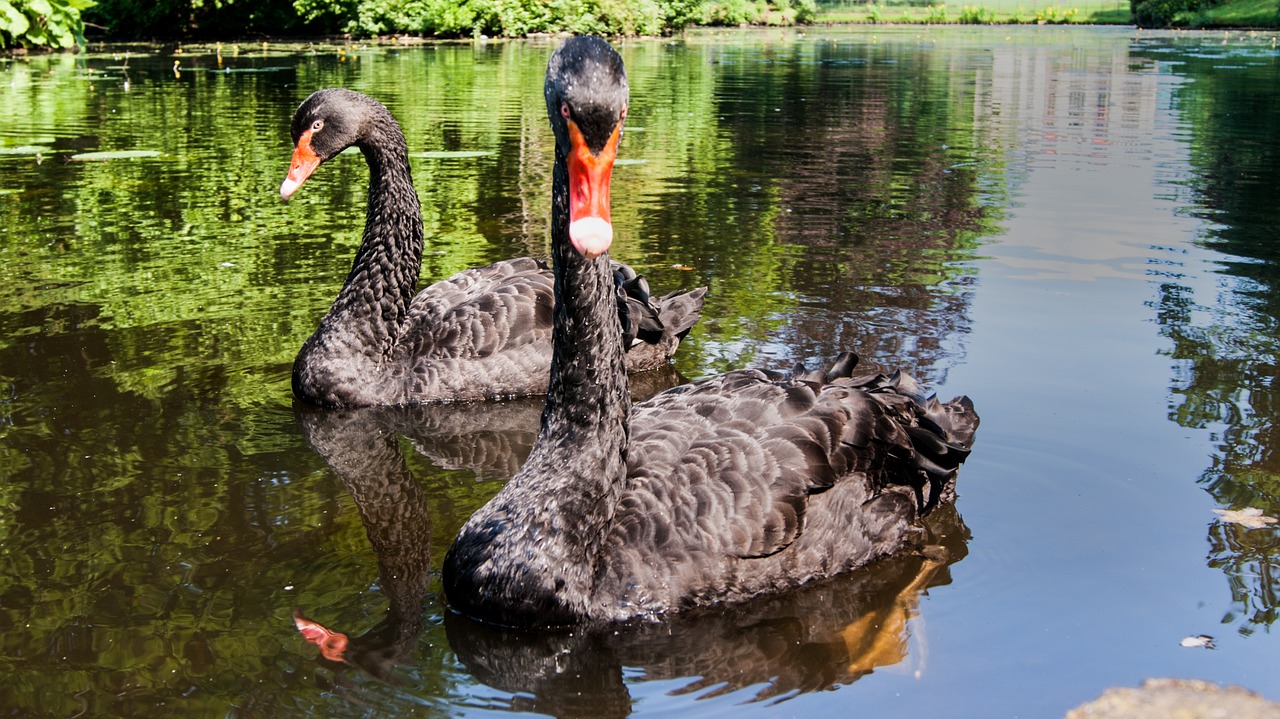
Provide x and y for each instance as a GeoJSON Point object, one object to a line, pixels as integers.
{"type": "Point", "coordinates": [833, 205]}
{"type": "Point", "coordinates": [1226, 365]}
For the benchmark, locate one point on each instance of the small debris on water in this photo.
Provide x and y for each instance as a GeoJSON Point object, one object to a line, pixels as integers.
{"type": "Point", "coordinates": [1201, 641]}
{"type": "Point", "coordinates": [1250, 517]}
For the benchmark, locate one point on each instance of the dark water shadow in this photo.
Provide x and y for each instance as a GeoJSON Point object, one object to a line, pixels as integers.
{"type": "Point", "coordinates": [820, 636]}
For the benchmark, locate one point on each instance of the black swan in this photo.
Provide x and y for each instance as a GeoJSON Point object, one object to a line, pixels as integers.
{"type": "Point", "coordinates": [484, 333]}
{"type": "Point", "coordinates": [746, 484]}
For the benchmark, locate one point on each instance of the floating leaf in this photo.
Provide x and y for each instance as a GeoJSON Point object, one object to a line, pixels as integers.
{"type": "Point", "coordinates": [1250, 517]}
{"type": "Point", "coordinates": [114, 155]}
{"type": "Point", "coordinates": [25, 150]}
{"type": "Point", "coordinates": [450, 154]}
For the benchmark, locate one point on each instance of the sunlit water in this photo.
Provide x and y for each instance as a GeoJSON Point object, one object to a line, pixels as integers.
{"type": "Point", "coordinates": [1075, 227]}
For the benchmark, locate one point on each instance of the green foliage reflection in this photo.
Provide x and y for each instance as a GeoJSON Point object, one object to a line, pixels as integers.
{"type": "Point", "coordinates": [1227, 345]}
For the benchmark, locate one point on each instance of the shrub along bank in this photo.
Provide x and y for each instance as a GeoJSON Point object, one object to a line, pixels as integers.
{"type": "Point", "coordinates": [64, 23]}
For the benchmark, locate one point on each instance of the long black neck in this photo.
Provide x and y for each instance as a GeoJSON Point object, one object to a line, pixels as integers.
{"type": "Point", "coordinates": [384, 276]}
{"type": "Point", "coordinates": [528, 556]}
{"type": "Point", "coordinates": [588, 389]}
{"type": "Point", "coordinates": [586, 420]}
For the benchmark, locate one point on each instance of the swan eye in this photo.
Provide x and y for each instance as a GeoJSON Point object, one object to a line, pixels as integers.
{"type": "Point", "coordinates": [564, 110]}
{"type": "Point", "coordinates": [623, 116]}
{"type": "Point", "coordinates": [317, 125]}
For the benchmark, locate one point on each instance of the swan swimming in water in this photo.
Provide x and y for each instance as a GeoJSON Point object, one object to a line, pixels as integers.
{"type": "Point", "coordinates": [484, 333]}
{"type": "Point", "coordinates": [748, 483]}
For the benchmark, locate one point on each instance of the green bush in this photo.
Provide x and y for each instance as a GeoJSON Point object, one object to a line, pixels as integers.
{"type": "Point", "coordinates": [1162, 13]}
{"type": "Point", "coordinates": [47, 23]}
{"type": "Point", "coordinates": [1055, 15]}
{"type": "Point", "coordinates": [510, 18]}
{"type": "Point", "coordinates": [210, 19]}
{"type": "Point", "coordinates": [229, 19]}
{"type": "Point", "coordinates": [758, 12]}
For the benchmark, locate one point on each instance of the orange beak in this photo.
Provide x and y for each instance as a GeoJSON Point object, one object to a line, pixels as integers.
{"type": "Point", "coordinates": [590, 228]}
{"type": "Point", "coordinates": [305, 162]}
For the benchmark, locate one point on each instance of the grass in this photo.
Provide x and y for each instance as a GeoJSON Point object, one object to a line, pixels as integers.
{"type": "Point", "coordinates": [1235, 13]}
{"type": "Point", "coordinates": [1231, 13]}
{"type": "Point", "coordinates": [985, 12]}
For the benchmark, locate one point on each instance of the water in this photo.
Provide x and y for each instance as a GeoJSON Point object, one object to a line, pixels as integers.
{"type": "Point", "coordinates": [1075, 227]}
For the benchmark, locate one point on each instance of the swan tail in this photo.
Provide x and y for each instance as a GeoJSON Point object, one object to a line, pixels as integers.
{"type": "Point", "coordinates": [924, 441]}
{"type": "Point", "coordinates": [680, 311]}
{"type": "Point", "coordinates": [652, 328]}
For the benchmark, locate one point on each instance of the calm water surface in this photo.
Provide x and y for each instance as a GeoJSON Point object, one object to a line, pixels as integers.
{"type": "Point", "coordinates": [1076, 227]}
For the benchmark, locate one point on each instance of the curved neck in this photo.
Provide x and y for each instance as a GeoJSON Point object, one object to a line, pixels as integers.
{"type": "Point", "coordinates": [384, 277]}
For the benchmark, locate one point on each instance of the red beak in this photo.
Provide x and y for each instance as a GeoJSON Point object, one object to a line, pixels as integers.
{"type": "Point", "coordinates": [305, 162]}
{"type": "Point", "coordinates": [590, 228]}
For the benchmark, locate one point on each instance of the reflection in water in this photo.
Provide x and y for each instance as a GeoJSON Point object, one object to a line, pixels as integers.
{"type": "Point", "coordinates": [362, 446]}
{"type": "Point", "coordinates": [1226, 335]}
{"type": "Point", "coordinates": [839, 200]}
{"type": "Point", "coordinates": [811, 639]}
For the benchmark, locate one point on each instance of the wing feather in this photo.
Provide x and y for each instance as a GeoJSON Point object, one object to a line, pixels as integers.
{"type": "Point", "coordinates": [724, 475]}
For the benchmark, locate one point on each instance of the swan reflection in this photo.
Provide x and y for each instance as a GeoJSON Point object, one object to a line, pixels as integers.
{"type": "Point", "coordinates": [817, 637]}
{"type": "Point", "coordinates": [362, 447]}
{"type": "Point", "coordinates": [814, 638]}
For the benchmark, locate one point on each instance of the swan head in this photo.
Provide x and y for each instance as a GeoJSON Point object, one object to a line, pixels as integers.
{"type": "Point", "coordinates": [325, 124]}
{"type": "Point", "coordinates": [586, 92]}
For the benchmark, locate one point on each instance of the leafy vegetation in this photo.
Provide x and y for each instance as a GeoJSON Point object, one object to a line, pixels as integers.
{"type": "Point", "coordinates": [1161, 13]}
{"type": "Point", "coordinates": [195, 19]}
{"type": "Point", "coordinates": [1206, 13]}
{"type": "Point", "coordinates": [52, 23]}
{"type": "Point", "coordinates": [1148, 13]}
{"type": "Point", "coordinates": [976, 15]}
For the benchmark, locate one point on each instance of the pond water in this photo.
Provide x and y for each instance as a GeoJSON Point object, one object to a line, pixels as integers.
{"type": "Point", "coordinates": [1076, 227]}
